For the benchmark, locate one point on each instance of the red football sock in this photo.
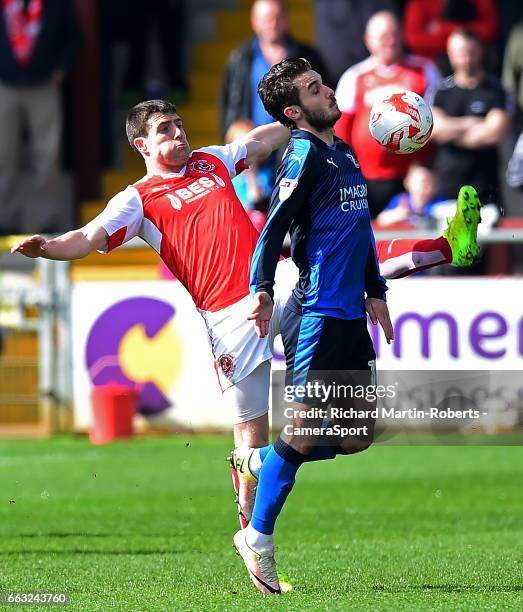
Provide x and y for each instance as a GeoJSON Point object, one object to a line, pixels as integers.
{"type": "Point", "coordinates": [399, 258]}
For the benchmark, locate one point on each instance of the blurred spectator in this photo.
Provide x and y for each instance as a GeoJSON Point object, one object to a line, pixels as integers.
{"type": "Point", "coordinates": [249, 62]}
{"type": "Point", "coordinates": [416, 205]}
{"type": "Point", "coordinates": [167, 19]}
{"type": "Point", "coordinates": [38, 42]}
{"type": "Point", "coordinates": [386, 70]}
{"type": "Point", "coordinates": [513, 82]}
{"type": "Point", "coordinates": [513, 70]}
{"type": "Point", "coordinates": [429, 23]}
{"type": "Point", "coordinates": [471, 118]}
{"type": "Point", "coordinates": [515, 165]}
{"type": "Point", "coordinates": [339, 30]}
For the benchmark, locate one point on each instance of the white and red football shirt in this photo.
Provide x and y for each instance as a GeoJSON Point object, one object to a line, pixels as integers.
{"type": "Point", "coordinates": [359, 87]}
{"type": "Point", "coordinates": [195, 221]}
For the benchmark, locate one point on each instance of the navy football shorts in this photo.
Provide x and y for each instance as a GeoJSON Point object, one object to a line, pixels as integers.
{"type": "Point", "coordinates": [315, 344]}
{"type": "Point", "coordinates": [332, 352]}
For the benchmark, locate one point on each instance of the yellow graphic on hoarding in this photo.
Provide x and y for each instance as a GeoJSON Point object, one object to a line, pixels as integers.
{"type": "Point", "coordinates": [158, 359]}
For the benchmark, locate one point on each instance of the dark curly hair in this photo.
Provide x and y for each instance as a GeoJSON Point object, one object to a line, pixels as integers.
{"type": "Point", "coordinates": [277, 89]}
{"type": "Point", "coordinates": [138, 116]}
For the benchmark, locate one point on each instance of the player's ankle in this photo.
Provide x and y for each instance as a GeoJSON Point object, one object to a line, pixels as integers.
{"type": "Point", "coordinates": [259, 542]}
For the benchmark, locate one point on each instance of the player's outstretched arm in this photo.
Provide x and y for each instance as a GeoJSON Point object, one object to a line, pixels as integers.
{"type": "Point", "coordinates": [71, 245]}
{"type": "Point", "coordinates": [265, 139]}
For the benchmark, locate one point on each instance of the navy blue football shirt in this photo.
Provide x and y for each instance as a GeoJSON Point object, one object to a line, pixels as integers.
{"type": "Point", "coordinates": [320, 197]}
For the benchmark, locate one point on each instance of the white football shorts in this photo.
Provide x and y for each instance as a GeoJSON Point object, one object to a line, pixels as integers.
{"type": "Point", "coordinates": [237, 349]}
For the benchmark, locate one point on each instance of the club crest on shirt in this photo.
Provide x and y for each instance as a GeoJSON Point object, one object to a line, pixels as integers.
{"type": "Point", "coordinates": [226, 364]}
{"type": "Point", "coordinates": [202, 165]}
{"type": "Point", "coordinates": [352, 158]}
{"type": "Point", "coordinates": [287, 186]}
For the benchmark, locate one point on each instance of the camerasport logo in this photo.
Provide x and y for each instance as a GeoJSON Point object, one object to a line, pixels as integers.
{"type": "Point", "coordinates": [202, 165]}
{"type": "Point", "coordinates": [135, 343]}
{"type": "Point", "coordinates": [226, 364]}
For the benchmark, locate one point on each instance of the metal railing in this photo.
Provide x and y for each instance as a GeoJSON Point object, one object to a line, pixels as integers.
{"type": "Point", "coordinates": [39, 305]}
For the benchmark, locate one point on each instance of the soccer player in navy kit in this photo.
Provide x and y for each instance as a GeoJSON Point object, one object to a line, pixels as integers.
{"type": "Point", "coordinates": [320, 197]}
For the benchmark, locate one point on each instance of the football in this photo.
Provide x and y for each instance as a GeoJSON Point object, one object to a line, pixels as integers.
{"type": "Point", "coordinates": [401, 122]}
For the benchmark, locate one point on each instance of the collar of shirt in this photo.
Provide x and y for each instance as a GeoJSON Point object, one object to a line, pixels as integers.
{"type": "Point", "coordinates": [298, 133]}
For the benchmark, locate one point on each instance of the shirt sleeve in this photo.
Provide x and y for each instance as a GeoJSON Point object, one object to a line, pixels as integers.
{"type": "Point", "coordinates": [233, 155]}
{"type": "Point", "coordinates": [433, 79]}
{"type": "Point", "coordinates": [375, 284]}
{"type": "Point", "coordinates": [437, 98]}
{"type": "Point", "coordinates": [346, 92]}
{"type": "Point", "coordinates": [122, 218]}
{"type": "Point", "coordinates": [395, 202]}
{"type": "Point", "coordinates": [503, 100]}
{"type": "Point", "coordinates": [291, 192]}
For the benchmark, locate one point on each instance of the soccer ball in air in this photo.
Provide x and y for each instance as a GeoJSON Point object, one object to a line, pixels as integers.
{"type": "Point", "coordinates": [401, 122]}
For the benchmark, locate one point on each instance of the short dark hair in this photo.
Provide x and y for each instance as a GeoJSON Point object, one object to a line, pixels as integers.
{"type": "Point", "coordinates": [469, 35]}
{"type": "Point", "coordinates": [277, 89]}
{"type": "Point", "coordinates": [425, 165]}
{"type": "Point", "coordinates": [138, 116]}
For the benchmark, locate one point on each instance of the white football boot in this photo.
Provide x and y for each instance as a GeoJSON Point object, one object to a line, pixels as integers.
{"type": "Point", "coordinates": [260, 565]}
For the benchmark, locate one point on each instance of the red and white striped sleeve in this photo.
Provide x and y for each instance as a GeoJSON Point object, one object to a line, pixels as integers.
{"type": "Point", "coordinates": [122, 218]}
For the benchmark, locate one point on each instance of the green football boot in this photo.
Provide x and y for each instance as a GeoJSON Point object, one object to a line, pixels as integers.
{"type": "Point", "coordinates": [462, 228]}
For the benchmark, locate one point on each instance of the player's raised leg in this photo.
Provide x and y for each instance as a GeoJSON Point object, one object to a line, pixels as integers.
{"type": "Point", "coordinates": [458, 245]}
{"type": "Point", "coordinates": [462, 229]}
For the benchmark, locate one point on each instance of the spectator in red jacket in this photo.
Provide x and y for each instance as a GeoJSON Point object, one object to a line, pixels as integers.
{"type": "Point", "coordinates": [387, 69]}
{"type": "Point", "coordinates": [427, 24]}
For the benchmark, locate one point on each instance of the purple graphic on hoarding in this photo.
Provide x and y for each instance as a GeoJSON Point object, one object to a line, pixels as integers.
{"type": "Point", "coordinates": [483, 329]}
{"type": "Point", "coordinates": [102, 353]}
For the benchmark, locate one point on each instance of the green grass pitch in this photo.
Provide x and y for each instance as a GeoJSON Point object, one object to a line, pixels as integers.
{"type": "Point", "coordinates": [147, 525]}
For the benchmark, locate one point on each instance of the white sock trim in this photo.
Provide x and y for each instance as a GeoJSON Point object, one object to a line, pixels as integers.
{"type": "Point", "coordinates": [259, 542]}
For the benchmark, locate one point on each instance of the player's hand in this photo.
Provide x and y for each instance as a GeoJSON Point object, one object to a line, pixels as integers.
{"type": "Point", "coordinates": [33, 246]}
{"type": "Point", "coordinates": [379, 313]}
{"type": "Point", "coordinates": [261, 313]}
